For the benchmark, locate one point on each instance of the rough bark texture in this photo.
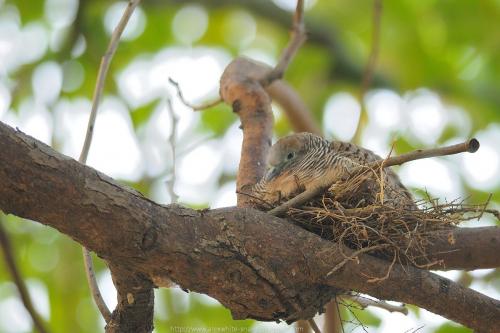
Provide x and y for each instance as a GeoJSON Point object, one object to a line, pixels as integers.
{"type": "Point", "coordinates": [257, 265]}
{"type": "Point", "coordinates": [135, 309]}
{"type": "Point", "coordinates": [467, 249]}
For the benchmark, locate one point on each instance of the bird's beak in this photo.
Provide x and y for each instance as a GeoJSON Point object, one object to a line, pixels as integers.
{"type": "Point", "coordinates": [272, 173]}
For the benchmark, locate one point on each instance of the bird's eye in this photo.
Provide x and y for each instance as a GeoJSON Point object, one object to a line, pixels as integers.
{"type": "Point", "coordinates": [290, 156]}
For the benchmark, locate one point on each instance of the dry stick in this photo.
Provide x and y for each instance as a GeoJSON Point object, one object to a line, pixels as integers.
{"type": "Point", "coordinates": [18, 280]}
{"type": "Point", "coordinates": [101, 78]}
{"type": "Point", "coordinates": [370, 65]}
{"type": "Point", "coordinates": [189, 105]}
{"type": "Point", "coordinates": [470, 146]}
{"type": "Point", "coordinates": [172, 141]}
{"type": "Point", "coordinates": [297, 39]}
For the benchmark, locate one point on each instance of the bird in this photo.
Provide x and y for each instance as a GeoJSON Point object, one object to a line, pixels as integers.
{"type": "Point", "coordinates": [303, 161]}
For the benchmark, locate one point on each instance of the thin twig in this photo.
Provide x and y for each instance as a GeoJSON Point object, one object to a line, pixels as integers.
{"type": "Point", "coordinates": [189, 105]}
{"type": "Point", "coordinates": [101, 79]}
{"type": "Point", "coordinates": [470, 146]}
{"type": "Point", "coordinates": [365, 302]}
{"type": "Point", "coordinates": [18, 280]}
{"type": "Point", "coordinates": [93, 286]}
{"type": "Point", "coordinates": [172, 140]}
{"type": "Point", "coordinates": [103, 72]}
{"type": "Point", "coordinates": [297, 39]}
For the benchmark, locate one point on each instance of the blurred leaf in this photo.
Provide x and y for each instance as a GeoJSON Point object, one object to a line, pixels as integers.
{"type": "Point", "coordinates": [217, 119]}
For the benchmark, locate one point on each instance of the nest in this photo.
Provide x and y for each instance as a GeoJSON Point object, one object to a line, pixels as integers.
{"type": "Point", "coordinates": [365, 214]}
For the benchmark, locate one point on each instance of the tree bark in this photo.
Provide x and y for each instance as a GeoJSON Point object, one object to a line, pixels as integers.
{"type": "Point", "coordinates": [135, 309]}
{"type": "Point", "coordinates": [256, 265]}
{"type": "Point", "coordinates": [240, 88]}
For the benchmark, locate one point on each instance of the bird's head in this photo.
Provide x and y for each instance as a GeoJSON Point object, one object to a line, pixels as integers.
{"type": "Point", "coordinates": [287, 153]}
{"type": "Point", "coordinates": [291, 163]}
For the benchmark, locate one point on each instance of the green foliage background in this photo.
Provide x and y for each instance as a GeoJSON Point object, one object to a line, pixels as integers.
{"type": "Point", "coordinates": [425, 43]}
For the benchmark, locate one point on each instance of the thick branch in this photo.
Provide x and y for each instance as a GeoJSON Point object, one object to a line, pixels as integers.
{"type": "Point", "coordinates": [466, 248]}
{"type": "Point", "coordinates": [257, 265]}
{"type": "Point", "coordinates": [134, 312]}
{"type": "Point", "coordinates": [240, 88]}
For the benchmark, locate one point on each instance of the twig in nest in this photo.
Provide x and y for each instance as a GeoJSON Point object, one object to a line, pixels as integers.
{"type": "Point", "coordinates": [391, 232]}
{"type": "Point", "coordinates": [378, 279]}
{"type": "Point", "coordinates": [264, 202]}
{"type": "Point", "coordinates": [382, 177]}
{"type": "Point", "coordinates": [101, 79]}
{"type": "Point", "coordinates": [470, 146]}
{"type": "Point", "coordinates": [189, 105]}
{"type": "Point", "coordinates": [18, 280]}
{"type": "Point", "coordinates": [365, 302]}
{"type": "Point", "coordinates": [297, 39]}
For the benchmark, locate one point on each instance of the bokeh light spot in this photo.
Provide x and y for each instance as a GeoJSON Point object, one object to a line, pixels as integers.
{"type": "Point", "coordinates": [73, 75]}
{"type": "Point", "coordinates": [341, 116]}
{"type": "Point", "coordinates": [190, 24]}
{"type": "Point", "coordinates": [135, 26]}
{"type": "Point", "coordinates": [47, 82]}
{"type": "Point", "coordinates": [240, 28]}
{"type": "Point", "coordinates": [60, 13]}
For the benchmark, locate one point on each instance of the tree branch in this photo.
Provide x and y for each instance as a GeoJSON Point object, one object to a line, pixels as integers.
{"type": "Point", "coordinates": [240, 88]}
{"type": "Point", "coordinates": [257, 265]}
{"type": "Point", "coordinates": [188, 104]}
{"type": "Point", "coordinates": [18, 280]}
{"type": "Point", "coordinates": [298, 114]}
{"type": "Point", "coordinates": [99, 88]}
{"type": "Point", "coordinates": [320, 34]}
{"type": "Point", "coordinates": [298, 37]}
{"type": "Point", "coordinates": [134, 312]}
